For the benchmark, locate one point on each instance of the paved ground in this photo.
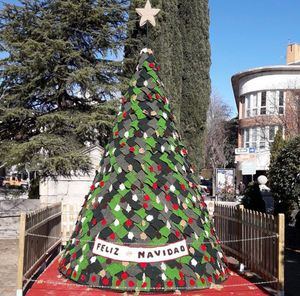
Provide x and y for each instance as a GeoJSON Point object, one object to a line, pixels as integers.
{"type": "Point", "coordinates": [292, 262]}
{"type": "Point", "coordinates": [51, 283]}
{"type": "Point", "coordinates": [8, 266]}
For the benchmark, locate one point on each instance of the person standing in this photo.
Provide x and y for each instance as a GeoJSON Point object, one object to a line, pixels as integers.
{"type": "Point", "coordinates": [241, 187]}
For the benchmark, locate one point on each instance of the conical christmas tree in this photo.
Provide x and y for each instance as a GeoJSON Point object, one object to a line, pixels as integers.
{"type": "Point", "coordinates": [144, 225]}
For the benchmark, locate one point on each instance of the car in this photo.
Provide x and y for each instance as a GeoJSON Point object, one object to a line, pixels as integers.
{"type": "Point", "coordinates": [14, 182]}
{"type": "Point", "coordinates": [206, 186]}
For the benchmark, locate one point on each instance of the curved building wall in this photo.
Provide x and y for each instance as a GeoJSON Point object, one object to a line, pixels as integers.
{"type": "Point", "coordinates": [264, 98]}
{"type": "Point", "coordinates": [272, 80]}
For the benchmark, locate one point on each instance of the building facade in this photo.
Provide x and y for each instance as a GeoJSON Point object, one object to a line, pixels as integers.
{"type": "Point", "coordinates": [267, 99]}
{"type": "Point", "coordinates": [71, 192]}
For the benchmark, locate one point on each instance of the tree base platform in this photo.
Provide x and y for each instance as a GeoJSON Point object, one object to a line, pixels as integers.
{"type": "Point", "coordinates": [52, 283]}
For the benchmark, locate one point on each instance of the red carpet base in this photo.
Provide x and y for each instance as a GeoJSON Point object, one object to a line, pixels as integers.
{"type": "Point", "coordinates": [51, 283]}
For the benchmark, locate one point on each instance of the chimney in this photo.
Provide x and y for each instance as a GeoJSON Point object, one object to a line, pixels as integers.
{"type": "Point", "coordinates": [293, 54]}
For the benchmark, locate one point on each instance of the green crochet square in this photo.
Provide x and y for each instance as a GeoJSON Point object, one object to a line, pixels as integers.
{"type": "Point", "coordinates": [114, 268]}
{"type": "Point", "coordinates": [165, 231]}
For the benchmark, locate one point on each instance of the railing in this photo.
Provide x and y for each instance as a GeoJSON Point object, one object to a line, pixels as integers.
{"type": "Point", "coordinates": [254, 238]}
{"type": "Point", "coordinates": [33, 250]}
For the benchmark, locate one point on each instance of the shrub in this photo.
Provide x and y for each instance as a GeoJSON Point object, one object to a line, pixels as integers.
{"type": "Point", "coordinates": [284, 176]}
{"type": "Point", "coordinates": [253, 199]}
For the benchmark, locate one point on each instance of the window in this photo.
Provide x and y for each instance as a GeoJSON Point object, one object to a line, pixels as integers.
{"type": "Point", "coordinates": [272, 131]}
{"type": "Point", "coordinates": [272, 102]}
{"type": "Point", "coordinates": [248, 106]}
{"type": "Point", "coordinates": [259, 137]}
{"type": "Point", "coordinates": [254, 137]}
{"type": "Point", "coordinates": [262, 138]}
{"type": "Point", "coordinates": [254, 100]}
{"type": "Point", "coordinates": [251, 105]}
{"type": "Point", "coordinates": [263, 103]}
{"type": "Point", "coordinates": [247, 138]}
{"type": "Point", "coordinates": [281, 103]}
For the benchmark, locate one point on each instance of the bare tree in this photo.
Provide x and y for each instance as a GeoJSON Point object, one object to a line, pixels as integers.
{"type": "Point", "coordinates": [291, 119]}
{"type": "Point", "coordinates": [286, 114]}
{"type": "Point", "coordinates": [215, 137]}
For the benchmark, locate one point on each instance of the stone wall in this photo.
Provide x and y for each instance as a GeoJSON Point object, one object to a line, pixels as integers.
{"type": "Point", "coordinates": [9, 230]}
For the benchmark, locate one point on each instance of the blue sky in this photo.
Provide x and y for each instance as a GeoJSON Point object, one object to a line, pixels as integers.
{"type": "Point", "coordinates": [247, 34]}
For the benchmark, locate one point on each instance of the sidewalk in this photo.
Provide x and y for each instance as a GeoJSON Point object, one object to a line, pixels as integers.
{"type": "Point", "coordinates": [51, 283]}
{"type": "Point", "coordinates": [8, 266]}
{"type": "Point", "coordinates": [292, 262]}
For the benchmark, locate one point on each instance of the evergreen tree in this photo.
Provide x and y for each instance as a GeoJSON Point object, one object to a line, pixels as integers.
{"type": "Point", "coordinates": [143, 204]}
{"type": "Point", "coordinates": [253, 199]}
{"type": "Point", "coordinates": [56, 79]}
{"type": "Point", "coordinates": [165, 40]}
{"type": "Point", "coordinates": [284, 176]}
{"type": "Point", "coordinates": [136, 38]}
{"type": "Point", "coordinates": [231, 130]}
{"type": "Point", "coordinates": [277, 145]}
{"type": "Point", "coordinates": [181, 42]}
{"type": "Point", "coordinates": [196, 87]}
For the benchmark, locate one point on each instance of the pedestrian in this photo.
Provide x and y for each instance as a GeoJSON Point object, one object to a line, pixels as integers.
{"type": "Point", "coordinates": [241, 187]}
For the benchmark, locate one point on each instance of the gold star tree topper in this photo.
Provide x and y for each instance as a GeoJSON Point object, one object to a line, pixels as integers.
{"type": "Point", "coordinates": [147, 14]}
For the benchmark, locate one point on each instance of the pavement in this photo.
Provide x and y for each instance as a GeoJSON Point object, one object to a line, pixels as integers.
{"type": "Point", "coordinates": [292, 262]}
{"type": "Point", "coordinates": [8, 266]}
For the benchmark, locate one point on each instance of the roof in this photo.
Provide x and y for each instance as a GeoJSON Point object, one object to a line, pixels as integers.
{"type": "Point", "coordinates": [87, 150]}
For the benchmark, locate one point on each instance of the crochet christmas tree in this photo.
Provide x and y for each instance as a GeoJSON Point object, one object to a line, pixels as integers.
{"type": "Point", "coordinates": [144, 225]}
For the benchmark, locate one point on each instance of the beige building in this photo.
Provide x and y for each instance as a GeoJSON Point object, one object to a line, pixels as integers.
{"type": "Point", "coordinates": [268, 100]}
{"type": "Point", "coordinates": [71, 191]}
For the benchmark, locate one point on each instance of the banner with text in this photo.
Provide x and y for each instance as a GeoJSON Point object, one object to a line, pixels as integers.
{"type": "Point", "coordinates": [140, 254]}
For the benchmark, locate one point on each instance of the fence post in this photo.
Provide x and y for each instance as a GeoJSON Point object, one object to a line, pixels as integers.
{"type": "Point", "coordinates": [22, 228]}
{"type": "Point", "coordinates": [281, 238]}
{"type": "Point", "coordinates": [240, 231]}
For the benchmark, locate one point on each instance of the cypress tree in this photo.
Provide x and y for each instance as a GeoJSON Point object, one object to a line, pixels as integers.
{"type": "Point", "coordinates": [55, 80]}
{"type": "Point", "coordinates": [277, 145]}
{"type": "Point", "coordinates": [196, 86]}
{"type": "Point", "coordinates": [181, 42]}
{"type": "Point", "coordinates": [231, 130]}
{"type": "Point", "coordinates": [284, 176]}
{"type": "Point", "coordinates": [164, 39]}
